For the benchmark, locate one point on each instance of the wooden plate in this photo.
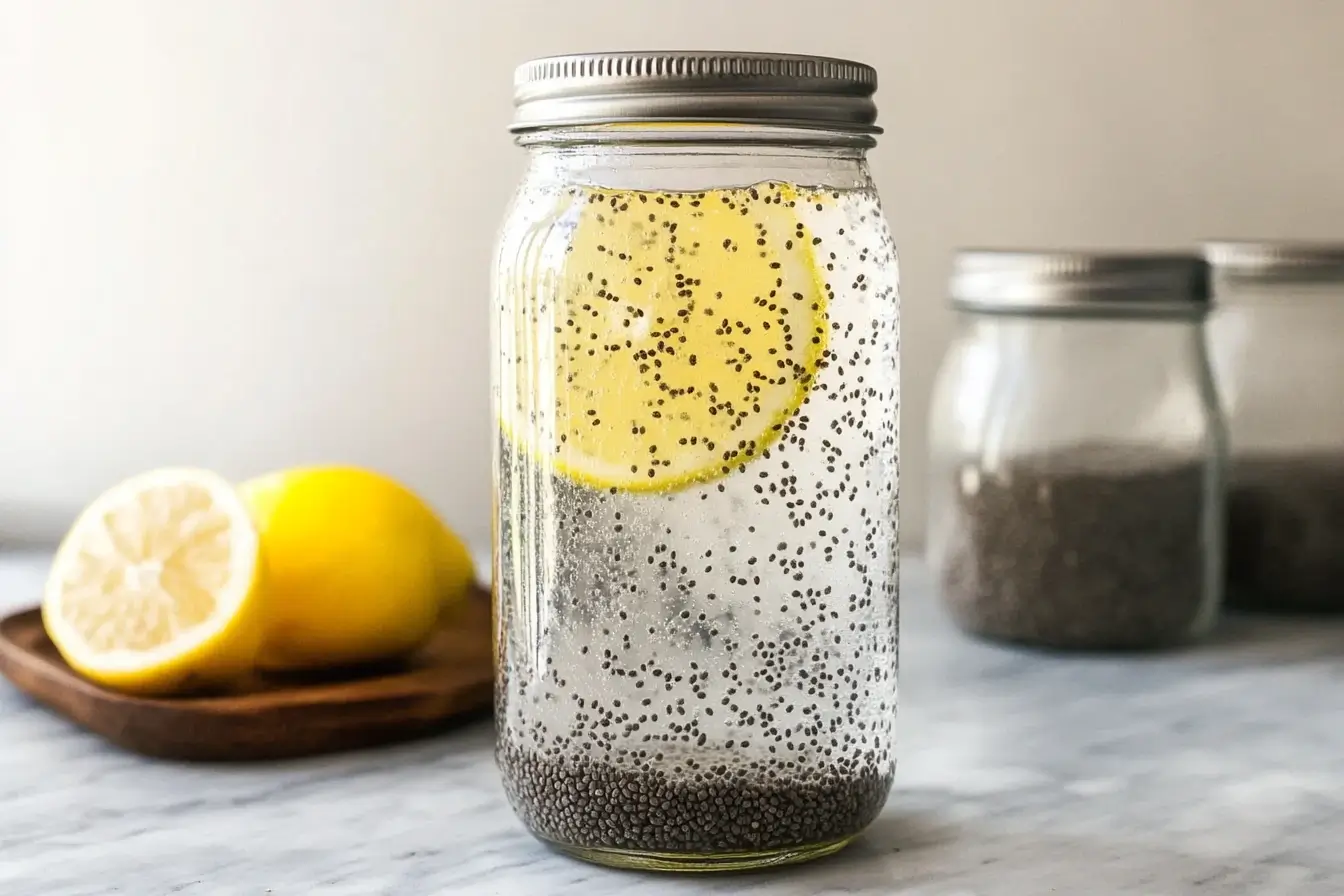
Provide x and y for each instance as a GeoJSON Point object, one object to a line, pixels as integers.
{"type": "Point", "coordinates": [447, 681]}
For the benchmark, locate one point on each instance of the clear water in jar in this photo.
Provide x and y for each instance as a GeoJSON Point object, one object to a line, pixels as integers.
{"type": "Point", "coordinates": [696, 518]}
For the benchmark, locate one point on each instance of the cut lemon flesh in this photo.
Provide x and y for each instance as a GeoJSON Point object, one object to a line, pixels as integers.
{"type": "Point", "coordinates": [155, 588]}
{"type": "Point", "coordinates": [652, 339]}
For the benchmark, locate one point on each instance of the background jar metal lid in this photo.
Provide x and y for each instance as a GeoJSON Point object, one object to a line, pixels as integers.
{"type": "Point", "coordinates": [1080, 284]}
{"type": "Point", "coordinates": [708, 87]}
{"type": "Point", "coordinates": [1276, 262]}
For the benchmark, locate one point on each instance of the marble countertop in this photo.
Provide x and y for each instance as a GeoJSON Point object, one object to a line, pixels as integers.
{"type": "Point", "coordinates": [1216, 771]}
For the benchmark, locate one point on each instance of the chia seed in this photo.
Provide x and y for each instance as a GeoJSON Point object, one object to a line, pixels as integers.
{"type": "Point", "coordinates": [1092, 547]}
{"type": "Point", "coordinates": [1285, 533]}
{"type": "Point", "coordinates": [701, 807]}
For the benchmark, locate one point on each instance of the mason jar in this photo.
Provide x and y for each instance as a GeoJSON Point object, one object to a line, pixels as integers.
{"type": "Point", "coordinates": [1275, 342]}
{"type": "Point", "coordinates": [1076, 452]}
{"type": "Point", "coordinates": [696, 386]}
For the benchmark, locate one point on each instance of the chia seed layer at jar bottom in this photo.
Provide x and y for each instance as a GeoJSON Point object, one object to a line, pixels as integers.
{"type": "Point", "coordinates": [708, 809]}
{"type": "Point", "coordinates": [1285, 533]}
{"type": "Point", "coordinates": [1093, 547]}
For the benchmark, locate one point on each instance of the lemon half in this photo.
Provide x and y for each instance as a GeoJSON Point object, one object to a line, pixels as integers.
{"type": "Point", "coordinates": [652, 339]}
{"type": "Point", "coordinates": [156, 587]}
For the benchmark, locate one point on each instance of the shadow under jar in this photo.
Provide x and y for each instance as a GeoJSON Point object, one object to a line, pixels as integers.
{"type": "Point", "coordinates": [1275, 342]}
{"type": "Point", "coordinates": [1077, 452]}
{"type": "Point", "coordinates": [696, 383]}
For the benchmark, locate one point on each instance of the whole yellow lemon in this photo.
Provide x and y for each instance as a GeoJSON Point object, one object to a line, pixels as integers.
{"type": "Point", "coordinates": [358, 568]}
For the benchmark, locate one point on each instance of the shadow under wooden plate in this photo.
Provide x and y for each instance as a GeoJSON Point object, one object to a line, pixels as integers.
{"type": "Point", "coordinates": [447, 681]}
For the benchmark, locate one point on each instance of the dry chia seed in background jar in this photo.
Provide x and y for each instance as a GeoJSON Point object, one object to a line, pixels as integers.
{"type": "Point", "coordinates": [696, 382]}
{"type": "Point", "coordinates": [1076, 452]}
{"type": "Point", "coordinates": [1275, 344]}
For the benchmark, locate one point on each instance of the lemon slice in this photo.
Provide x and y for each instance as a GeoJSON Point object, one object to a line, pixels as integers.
{"type": "Point", "coordinates": [660, 339]}
{"type": "Point", "coordinates": [155, 588]}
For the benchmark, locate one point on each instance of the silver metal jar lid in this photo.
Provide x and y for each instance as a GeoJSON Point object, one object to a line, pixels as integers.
{"type": "Point", "coordinates": [1277, 262]}
{"type": "Point", "coordinates": [1080, 284]}
{"type": "Point", "coordinates": [708, 87]}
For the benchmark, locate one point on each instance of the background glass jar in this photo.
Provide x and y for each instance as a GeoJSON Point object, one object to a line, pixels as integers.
{"type": "Point", "coordinates": [1076, 452]}
{"type": "Point", "coordinates": [697, 388]}
{"type": "Point", "coordinates": [1275, 343]}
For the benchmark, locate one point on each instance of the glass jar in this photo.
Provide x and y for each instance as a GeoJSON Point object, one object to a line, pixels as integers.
{"type": "Point", "coordinates": [1274, 339]}
{"type": "Point", "coordinates": [696, 383]}
{"type": "Point", "coordinates": [1076, 452]}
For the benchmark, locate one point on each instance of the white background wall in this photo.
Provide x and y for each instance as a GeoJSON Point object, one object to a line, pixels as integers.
{"type": "Point", "coordinates": [252, 233]}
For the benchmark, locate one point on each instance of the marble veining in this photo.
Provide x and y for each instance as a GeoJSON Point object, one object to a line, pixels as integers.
{"type": "Point", "coordinates": [1216, 771]}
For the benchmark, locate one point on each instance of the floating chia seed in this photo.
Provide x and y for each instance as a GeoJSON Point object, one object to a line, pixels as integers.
{"type": "Point", "coordinates": [1285, 533]}
{"type": "Point", "coordinates": [706, 809]}
{"type": "Point", "coordinates": [1093, 547]}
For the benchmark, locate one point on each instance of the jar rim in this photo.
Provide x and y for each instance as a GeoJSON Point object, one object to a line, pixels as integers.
{"type": "Point", "coordinates": [673, 134]}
